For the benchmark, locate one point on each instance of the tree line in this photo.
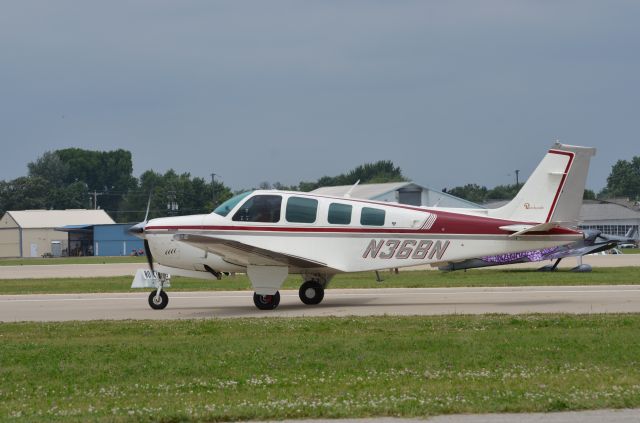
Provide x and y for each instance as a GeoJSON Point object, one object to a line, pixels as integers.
{"type": "Point", "coordinates": [75, 178]}
{"type": "Point", "coordinates": [622, 182]}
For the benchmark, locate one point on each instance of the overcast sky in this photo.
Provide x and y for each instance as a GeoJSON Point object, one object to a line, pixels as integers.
{"type": "Point", "coordinates": [453, 92]}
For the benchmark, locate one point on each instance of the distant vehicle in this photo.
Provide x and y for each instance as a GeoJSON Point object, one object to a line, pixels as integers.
{"type": "Point", "coordinates": [628, 245]}
{"type": "Point", "coordinates": [270, 234]}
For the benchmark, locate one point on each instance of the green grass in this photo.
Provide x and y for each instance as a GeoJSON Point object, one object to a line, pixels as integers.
{"type": "Point", "coordinates": [70, 260]}
{"type": "Point", "coordinates": [406, 279]}
{"type": "Point", "coordinates": [236, 369]}
{"type": "Point", "coordinates": [630, 250]}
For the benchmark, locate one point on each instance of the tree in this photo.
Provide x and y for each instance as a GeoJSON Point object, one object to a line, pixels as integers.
{"type": "Point", "coordinates": [192, 195]}
{"type": "Point", "coordinates": [470, 192]}
{"type": "Point", "coordinates": [25, 193]}
{"type": "Point", "coordinates": [624, 180]}
{"type": "Point", "coordinates": [107, 171]}
{"type": "Point", "coordinates": [378, 172]}
{"type": "Point", "coordinates": [51, 167]}
{"type": "Point", "coordinates": [503, 192]}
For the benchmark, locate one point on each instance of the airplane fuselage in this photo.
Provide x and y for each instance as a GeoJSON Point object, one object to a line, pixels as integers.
{"type": "Point", "coordinates": [377, 236]}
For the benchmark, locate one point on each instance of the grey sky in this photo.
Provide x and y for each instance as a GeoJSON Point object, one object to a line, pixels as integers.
{"type": "Point", "coordinates": [452, 91]}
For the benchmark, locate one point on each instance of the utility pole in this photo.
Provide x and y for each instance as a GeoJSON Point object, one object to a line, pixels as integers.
{"type": "Point", "coordinates": [517, 180]}
{"type": "Point", "coordinates": [95, 199]}
{"type": "Point", "coordinates": [172, 204]}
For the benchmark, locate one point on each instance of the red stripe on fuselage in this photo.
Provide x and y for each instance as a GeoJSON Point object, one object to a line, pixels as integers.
{"type": "Point", "coordinates": [449, 226]}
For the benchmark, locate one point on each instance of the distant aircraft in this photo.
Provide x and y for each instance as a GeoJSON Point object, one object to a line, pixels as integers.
{"type": "Point", "coordinates": [270, 234]}
{"type": "Point", "coordinates": [593, 242]}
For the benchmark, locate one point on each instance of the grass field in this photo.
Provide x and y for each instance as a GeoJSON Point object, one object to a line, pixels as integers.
{"type": "Point", "coordinates": [630, 250]}
{"type": "Point", "coordinates": [70, 260]}
{"type": "Point", "coordinates": [331, 367]}
{"type": "Point", "coordinates": [406, 279]}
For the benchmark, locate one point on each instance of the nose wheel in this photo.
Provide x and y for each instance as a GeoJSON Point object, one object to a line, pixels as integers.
{"type": "Point", "coordinates": [266, 302]}
{"type": "Point", "coordinates": [158, 301]}
{"type": "Point", "coordinates": [311, 292]}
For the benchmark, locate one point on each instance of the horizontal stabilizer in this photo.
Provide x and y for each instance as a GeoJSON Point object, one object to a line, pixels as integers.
{"type": "Point", "coordinates": [523, 229]}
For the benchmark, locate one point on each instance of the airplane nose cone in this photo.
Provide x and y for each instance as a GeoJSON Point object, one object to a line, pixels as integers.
{"type": "Point", "coordinates": [137, 229]}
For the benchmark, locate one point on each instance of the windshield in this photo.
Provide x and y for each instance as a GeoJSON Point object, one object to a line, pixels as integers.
{"type": "Point", "coordinates": [224, 208]}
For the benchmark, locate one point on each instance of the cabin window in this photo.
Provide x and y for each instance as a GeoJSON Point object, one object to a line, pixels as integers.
{"type": "Point", "coordinates": [261, 208]}
{"type": "Point", "coordinates": [224, 208]}
{"type": "Point", "coordinates": [339, 214]}
{"type": "Point", "coordinates": [301, 210]}
{"type": "Point", "coordinates": [372, 217]}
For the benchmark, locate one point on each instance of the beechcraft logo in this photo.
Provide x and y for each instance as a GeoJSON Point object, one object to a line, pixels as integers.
{"type": "Point", "coordinates": [530, 206]}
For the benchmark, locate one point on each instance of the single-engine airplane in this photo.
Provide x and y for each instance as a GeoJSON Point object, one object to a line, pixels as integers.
{"type": "Point", "coordinates": [269, 234]}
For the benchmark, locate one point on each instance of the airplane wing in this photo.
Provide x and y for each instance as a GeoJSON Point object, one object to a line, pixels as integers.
{"type": "Point", "coordinates": [244, 254]}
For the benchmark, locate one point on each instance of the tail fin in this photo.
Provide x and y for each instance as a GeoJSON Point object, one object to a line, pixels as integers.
{"type": "Point", "coordinates": [553, 192]}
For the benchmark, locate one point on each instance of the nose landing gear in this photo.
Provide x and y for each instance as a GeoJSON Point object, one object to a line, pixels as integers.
{"type": "Point", "coordinates": [158, 301]}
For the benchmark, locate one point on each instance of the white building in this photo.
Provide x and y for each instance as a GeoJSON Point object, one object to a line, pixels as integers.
{"type": "Point", "coordinates": [399, 192]}
{"type": "Point", "coordinates": [611, 218]}
{"type": "Point", "coordinates": [31, 233]}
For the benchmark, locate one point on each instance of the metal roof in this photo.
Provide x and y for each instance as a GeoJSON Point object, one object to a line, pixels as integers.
{"type": "Point", "coordinates": [57, 218]}
{"type": "Point", "coordinates": [374, 191]}
{"type": "Point", "coordinates": [369, 191]}
{"type": "Point", "coordinates": [607, 211]}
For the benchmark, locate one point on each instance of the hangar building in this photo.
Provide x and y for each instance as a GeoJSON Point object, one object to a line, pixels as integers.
{"type": "Point", "coordinates": [102, 240]}
{"type": "Point", "coordinates": [32, 233]}
{"type": "Point", "coordinates": [409, 193]}
{"type": "Point", "coordinates": [611, 217]}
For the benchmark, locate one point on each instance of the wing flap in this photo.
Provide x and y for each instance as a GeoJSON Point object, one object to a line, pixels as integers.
{"type": "Point", "coordinates": [246, 254]}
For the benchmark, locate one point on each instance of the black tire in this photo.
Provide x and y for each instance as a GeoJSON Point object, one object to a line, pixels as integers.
{"type": "Point", "coordinates": [311, 293]}
{"type": "Point", "coordinates": [266, 302]}
{"type": "Point", "coordinates": [161, 302]}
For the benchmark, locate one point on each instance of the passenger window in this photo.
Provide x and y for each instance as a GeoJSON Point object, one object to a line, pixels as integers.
{"type": "Point", "coordinates": [301, 210]}
{"type": "Point", "coordinates": [339, 214]}
{"type": "Point", "coordinates": [261, 208]}
{"type": "Point", "coordinates": [372, 217]}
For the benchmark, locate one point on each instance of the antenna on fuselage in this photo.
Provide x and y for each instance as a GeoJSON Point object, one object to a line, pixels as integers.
{"type": "Point", "coordinates": [348, 194]}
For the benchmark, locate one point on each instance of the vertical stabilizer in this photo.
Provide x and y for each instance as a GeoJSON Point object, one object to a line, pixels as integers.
{"type": "Point", "coordinates": [554, 191]}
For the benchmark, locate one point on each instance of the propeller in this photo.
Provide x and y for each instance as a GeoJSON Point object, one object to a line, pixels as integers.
{"type": "Point", "coordinates": [138, 230]}
{"type": "Point", "coordinates": [147, 252]}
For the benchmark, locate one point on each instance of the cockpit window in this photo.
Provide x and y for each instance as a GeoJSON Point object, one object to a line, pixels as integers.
{"type": "Point", "coordinates": [224, 208]}
{"type": "Point", "coordinates": [261, 208]}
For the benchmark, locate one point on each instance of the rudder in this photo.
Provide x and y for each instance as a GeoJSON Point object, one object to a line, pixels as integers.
{"type": "Point", "coordinates": [554, 191]}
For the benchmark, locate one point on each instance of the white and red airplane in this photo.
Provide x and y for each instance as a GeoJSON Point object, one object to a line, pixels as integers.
{"type": "Point", "coordinates": [269, 234]}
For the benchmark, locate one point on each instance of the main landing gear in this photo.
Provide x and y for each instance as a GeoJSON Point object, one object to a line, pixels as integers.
{"type": "Point", "coordinates": [266, 302]}
{"type": "Point", "coordinates": [311, 292]}
{"type": "Point", "coordinates": [267, 280]}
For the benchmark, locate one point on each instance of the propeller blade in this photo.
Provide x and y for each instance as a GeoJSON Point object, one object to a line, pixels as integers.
{"type": "Point", "coordinates": [138, 228]}
{"type": "Point", "coordinates": [147, 252]}
{"type": "Point", "coordinates": [146, 215]}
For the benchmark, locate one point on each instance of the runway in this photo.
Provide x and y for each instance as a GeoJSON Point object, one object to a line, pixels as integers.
{"type": "Point", "coordinates": [129, 269]}
{"type": "Point", "coordinates": [337, 302]}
